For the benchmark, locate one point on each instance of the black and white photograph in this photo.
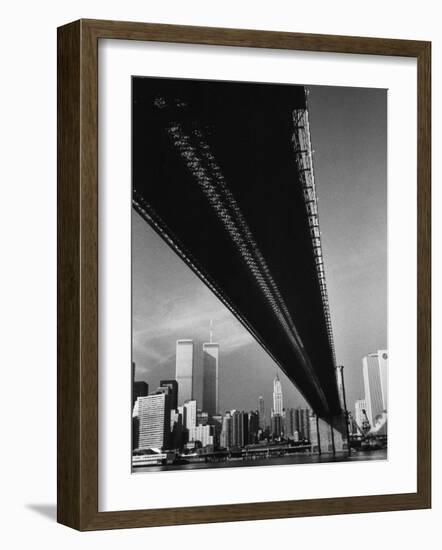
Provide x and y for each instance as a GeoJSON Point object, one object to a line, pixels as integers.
{"type": "Point", "coordinates": [259, 274]}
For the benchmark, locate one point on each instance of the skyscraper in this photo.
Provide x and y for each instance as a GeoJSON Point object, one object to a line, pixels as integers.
{"type": "Point", "coordinates": [253, 426]}
{"type": "Point", "coordinates": [184, 370]}
{"type": "Point", "coordinates": [360, 405]}
{"type": "Point", "coordinates": [302, 421]}
{"type": "Point", "coordinates": [383, 365]}
{"type": "Point", "coordinates": [154, 421]}
{"type": "Point", "coordinates": [203, 434]}
{"type": "Point", "coordinates": [226, 431]}
{"type": "Point", "coordinates": [290, 424]}
{"type": "Point", "coordinates": [375, 381]}
{"type": "Point", "coordinates": [240, 428]}
{"type": "Point", "coordinates": [189, 414]}
{"type": "Point", "coordinates": [277, 427]}
{"type": "Point", "coordinates": [210, 375]}
{"type": "Point", "coordinates": [277, 396]}
{"type": "Point", "coordinates": [173, 386]}
{"type": "Point", "coordinates": [262, 413]}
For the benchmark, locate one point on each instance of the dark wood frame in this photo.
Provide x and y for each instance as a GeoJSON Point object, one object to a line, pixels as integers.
{"type": "Point", "coordinates": [78, 266]}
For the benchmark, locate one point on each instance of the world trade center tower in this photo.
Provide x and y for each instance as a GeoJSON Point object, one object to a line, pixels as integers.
{"type": "Point", "coordinates": [184, 370]}
{"type": "Point", "coordinates": [210, 376]}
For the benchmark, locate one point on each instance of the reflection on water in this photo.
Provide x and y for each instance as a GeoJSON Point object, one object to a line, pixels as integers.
{"type": "Point", "coordinates": [301, 458]}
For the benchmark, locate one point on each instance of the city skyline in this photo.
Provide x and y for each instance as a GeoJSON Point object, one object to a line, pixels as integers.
{"type": "Point", "coordinates": [159, 424]}
{"type": "Point", "coordinates": [239, 249]}
{"type": "Point", "coordinates": [170, 300]}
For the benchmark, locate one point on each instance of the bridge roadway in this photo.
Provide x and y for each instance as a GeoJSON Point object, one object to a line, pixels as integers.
{"type": "Point", "coordinates": [215, 174]}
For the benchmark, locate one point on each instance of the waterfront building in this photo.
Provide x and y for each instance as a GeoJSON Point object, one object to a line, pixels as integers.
{"type": "Point", "coordinates": [290, 424]}
{"type": "Point", "coordinates": [277, 426]}
{"type": "Point", "coordinates": [216, 422]}
{"type": "Point", "coordinates": [253, 427]}
{"type": "Point", "coordinates": [262, 413]}
{"type": "Point", "coordinates": [383, 366]}
{"type": "Point", "coordinates": [154, 421]}
{"type": "Point", "coordinates": [184, 370]}
{"type": "Point", "coordinates": [226, 431]}
{"type": "Point", "coordinates": [239, 428]}
{"type": "Point", "coordinates": [135, 432]}
{"type": "Point", "coordinates": [203, 434]}
{"type": "Point", "coordinates": [302, 422]}
{"type": "Point", "coordinates": [173, 385]}
{"type": "Point", "coordinates": [360, 405]}
{"type": "Point", "coordinates": [210, 375]}
{"type": "Point", "coordinates": [374, 371]}
{"type": "Point", "coordinates": [189, 416]}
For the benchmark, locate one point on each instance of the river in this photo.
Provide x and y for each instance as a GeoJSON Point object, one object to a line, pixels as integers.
{"type": "Point", "coordinates": [300, 458]}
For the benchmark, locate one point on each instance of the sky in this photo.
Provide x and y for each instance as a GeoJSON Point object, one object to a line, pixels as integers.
{"type": "Point", "coordinates": [348, 131]}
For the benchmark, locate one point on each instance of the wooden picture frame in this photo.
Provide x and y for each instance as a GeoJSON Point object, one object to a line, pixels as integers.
{"type": "Point", "coordinates": [78, 274]}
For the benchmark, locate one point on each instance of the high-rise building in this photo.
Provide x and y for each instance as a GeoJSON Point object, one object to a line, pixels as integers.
{"type": "Point", "coordinates": [189, 414]}
{"type": "Point", "coordinates": [374, 371]}
{"type": "Point", "coordinates": [383, 366]}
{"type": "Point", "coordinates": [253, 426]}
{"type": "Point", "coordinates": [203, 434]}
{"type": "Point", "coordinates": [277, 396]}
{"type": "Point", "coordinates": [302, 421]}
{"type": "Point", "coordinates": [240, 428]}
{"type": "Point", "coordinates": [290, 424]}
{"type": "Point", "coordinates": [135, 432]}
{"type": "Point", "coordinates": [226, 431]}
{"type": "Point", "coordinates": [184, 370]}
{"type": "Point", "coordinates": [139, 389]}
{"type": "Point", "coordinates": [202, 418]}
{"type": "Point", "coordinates": [173, 385]}
{"type": "Point", "coordinates": [210, 375]}
{"type": "Point", "coordinates": [277, 425]}
{"type": "Point", "coordinates": [262, 413]}
{"type": "Point", "coordinates": [154, 418]}
{"type": "Point", "coordinates": [237, 429]}
{"type": "Point", "coordinates": [177, 429]}
{"type": "Point", "coordinates": [360, 406]}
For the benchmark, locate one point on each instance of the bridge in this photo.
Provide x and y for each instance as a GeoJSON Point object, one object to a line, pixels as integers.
{"type": "Point", "coordinates": [224, 173]}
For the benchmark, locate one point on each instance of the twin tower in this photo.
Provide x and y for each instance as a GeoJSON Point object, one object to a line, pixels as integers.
{"type": "Point", "coordinates": [185, 370]}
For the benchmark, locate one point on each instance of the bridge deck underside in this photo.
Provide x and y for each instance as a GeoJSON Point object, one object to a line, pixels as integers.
{"type": "Point", "coordinates": [195, 142]}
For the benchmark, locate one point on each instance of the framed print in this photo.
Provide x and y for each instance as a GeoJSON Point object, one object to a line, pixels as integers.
{"type": "Point", "coordinates": [244, 248]}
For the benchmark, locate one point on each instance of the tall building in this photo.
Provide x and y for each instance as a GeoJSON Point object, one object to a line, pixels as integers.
{"type": "Point", "coordinates": [173, 385]}
{"type": "Point", "coordinates": [210, 375]}
{"type": "Point", "coordinates": [135, 432]}
{"type": "Point", "coordinates": [202, 418]}
{"type": "Point", "coordinates": [383, 365]}
{"type": "Point", "coordinates": [253, 426]}
{"type": "Point", "coordinates": [177, 429]}
{"type": "Point", "coordinates": [203, 434]}
{"type": "Point", "coordinates": [303, 423]}
{"type": "Point", "coordinates": [139, 389]}
{"type": "Point", "coordinates": [240, 428]}
{"type": "Point", "coordinates": [360, 406]}
{"type": "Point", "coordinates": [226, 431]}
{"type": "Point", "coordinates": [290, 425]}
{"type": "Point", "coordinates": [189, 414]}
{"type": "Point", "coordinates": [262, 413]}
{"type": "Point", "coordinates": [277, 396]}
{"type": "Point", "coordinates": [184, 370]}
{"type": "Point", "coordinates": [154, 421]}
{"type": "Point", "coordinates": [277, 425]}
{"type": "Point", "coordinates": [374, 369]}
